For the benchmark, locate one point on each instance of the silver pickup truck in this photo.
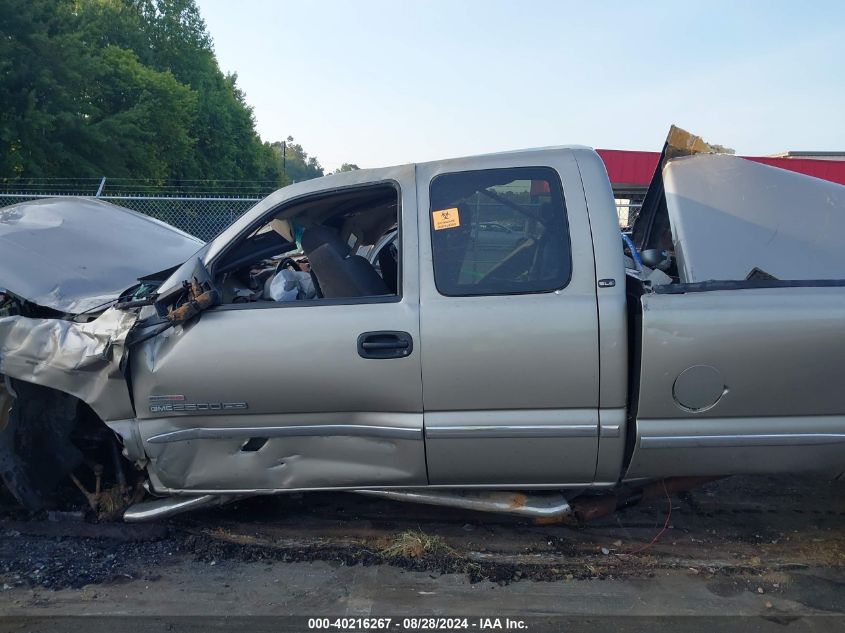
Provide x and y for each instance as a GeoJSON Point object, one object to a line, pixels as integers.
{"type": "Point", "coordinates": [472, 332]}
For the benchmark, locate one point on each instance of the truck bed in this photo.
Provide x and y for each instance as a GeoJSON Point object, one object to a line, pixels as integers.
{"type": "Point", "coordinates": [744, 379]}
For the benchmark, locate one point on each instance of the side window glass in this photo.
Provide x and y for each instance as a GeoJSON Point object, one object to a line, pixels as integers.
{"type": "Point", "coordinates": [499, 231]}
{"type": "Point", "coordinates": [325, 246]}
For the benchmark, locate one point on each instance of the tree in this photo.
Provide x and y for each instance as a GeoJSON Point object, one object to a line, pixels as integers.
{"type": "Point", "coordinates": [38, 92]}
{"type": "Point", "coordinates": [118, 131]}
{"type": "Point", "coordinates": [298, 165]}
{"type": "Point", "coordinates": [174, 38]}
{"type": "Point", "coordinates": [122, 87]}
{"type": "Point", "coordinates": [346, 167]}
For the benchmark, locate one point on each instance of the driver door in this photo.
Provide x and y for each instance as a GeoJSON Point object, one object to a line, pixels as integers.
{"type": "Point", "coordinates": [272, 396]}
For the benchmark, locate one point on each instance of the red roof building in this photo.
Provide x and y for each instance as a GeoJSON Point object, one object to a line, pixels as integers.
{"type": "Point", "coordinates": [630, 170]}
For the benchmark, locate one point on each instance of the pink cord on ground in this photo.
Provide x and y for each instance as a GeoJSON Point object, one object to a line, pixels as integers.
{"type": "Point", "coordinates": [660, 533]}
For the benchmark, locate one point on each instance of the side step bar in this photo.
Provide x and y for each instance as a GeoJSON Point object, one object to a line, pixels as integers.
{"type": "Point", "coordinates": [542, 508]}
{"type": "Point", "coordinates": [549, 506]}
{"type": "Point", "coordinates": [168, 506]}
{"type": "Point", "coordinates": [534, 506]}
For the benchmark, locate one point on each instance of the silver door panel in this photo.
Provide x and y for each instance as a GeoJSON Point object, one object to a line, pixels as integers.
{"type": "Point", "coordinates": [356, 449]}
{"type": "Point", "coordinates": [769, 445]}
{"type": "Point", "coordinates": [768, 368]}
{"type": "Point", "coordinates": [311, 365]}
{"type": "Point", "coordinates": [305, 360]}
{"type": "Point", "coordinates": [512, 360]}
{"type": "Point", "coordinates": [493, 447]}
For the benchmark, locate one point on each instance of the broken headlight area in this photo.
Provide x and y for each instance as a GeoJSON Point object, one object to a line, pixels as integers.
{"type": "Point", "coordinates": [13, 305]}
{"type": "Point", "coordinates": [8, 305]}
{"type": "Point", "coordinates": [55, 451]}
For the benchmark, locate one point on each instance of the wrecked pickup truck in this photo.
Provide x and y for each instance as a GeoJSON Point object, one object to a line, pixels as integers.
{"type": "Point", "coordinates": [471, 332]}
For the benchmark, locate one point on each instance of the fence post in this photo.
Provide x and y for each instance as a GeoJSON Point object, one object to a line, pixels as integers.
{"type": "Point", "coordinates": [100, 188]}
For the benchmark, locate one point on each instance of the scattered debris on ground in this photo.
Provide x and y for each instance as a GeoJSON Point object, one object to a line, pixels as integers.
{"type": "Point", "coordinates": [750, 531]}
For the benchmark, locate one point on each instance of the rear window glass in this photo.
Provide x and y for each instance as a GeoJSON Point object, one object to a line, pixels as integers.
{"type": "Point", "coordinates": [499, 231]}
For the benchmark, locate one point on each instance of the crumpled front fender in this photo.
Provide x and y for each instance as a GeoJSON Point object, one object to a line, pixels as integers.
{"type": "Point", "coordinates": [85, 360]}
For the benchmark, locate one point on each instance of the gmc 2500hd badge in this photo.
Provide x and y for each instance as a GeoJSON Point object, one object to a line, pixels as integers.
{"type": "Point", "coordinates": [176, 402]}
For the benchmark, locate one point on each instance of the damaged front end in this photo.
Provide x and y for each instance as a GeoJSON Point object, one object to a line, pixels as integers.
{"type": "Point", "coordinates": [65, 319]}
{"type": "Point", "coordinates": [61, 380]}
{"type": "Point", "coordinates": [66, 401]}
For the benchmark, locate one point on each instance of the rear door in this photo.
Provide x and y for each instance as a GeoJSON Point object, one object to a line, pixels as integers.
{"type": "Point", "coordinates": [509, 327]}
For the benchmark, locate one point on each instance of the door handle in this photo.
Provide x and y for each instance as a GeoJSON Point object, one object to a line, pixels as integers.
{"type": "Point", "coordinates": [385, 344]}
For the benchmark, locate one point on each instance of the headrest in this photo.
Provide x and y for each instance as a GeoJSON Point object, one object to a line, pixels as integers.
{"type": "Point", "coordinates": [317, 236]}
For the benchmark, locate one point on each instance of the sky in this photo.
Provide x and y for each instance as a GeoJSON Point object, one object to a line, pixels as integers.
{"type": "Point", "coordinates": [380, 83]}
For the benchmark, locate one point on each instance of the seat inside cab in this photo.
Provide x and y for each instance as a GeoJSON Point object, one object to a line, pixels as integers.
{"type": "Point", "coordinates": [341, 245]}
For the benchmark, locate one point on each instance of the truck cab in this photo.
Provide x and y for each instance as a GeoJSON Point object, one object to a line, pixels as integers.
{"type": "Point", "coordinates": [483, 345]}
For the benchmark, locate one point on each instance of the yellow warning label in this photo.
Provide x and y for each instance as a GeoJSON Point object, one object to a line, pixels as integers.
{"type": "Point", "coordinates": [446, 219]}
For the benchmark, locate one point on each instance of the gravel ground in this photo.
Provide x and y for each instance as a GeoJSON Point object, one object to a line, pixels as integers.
{"type": "Point", "coordinates": [769, 546]}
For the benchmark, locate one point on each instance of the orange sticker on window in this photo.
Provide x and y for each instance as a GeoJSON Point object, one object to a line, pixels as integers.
{"type": "Point", "coordinates": [446, 219]}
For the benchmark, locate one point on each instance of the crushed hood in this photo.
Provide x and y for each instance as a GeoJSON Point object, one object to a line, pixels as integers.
{"type": "Point", "coordinates": [76, 254]}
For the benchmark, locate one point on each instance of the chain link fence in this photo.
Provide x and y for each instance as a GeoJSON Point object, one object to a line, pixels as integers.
{"type": "Point", "coordinates": [202, 217]}
{"type": "Point", "coordinates": [201, 208]}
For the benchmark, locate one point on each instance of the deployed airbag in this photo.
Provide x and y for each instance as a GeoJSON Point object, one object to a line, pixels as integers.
{"type": "Point", "coordinates": [290, 285]}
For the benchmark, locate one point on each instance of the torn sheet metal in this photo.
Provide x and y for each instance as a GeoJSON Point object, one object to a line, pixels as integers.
{"type": "Point", "coordinates": [651, 227]}
{"type": "Point", "coordinates": [75, 254]}
{"type": "Point", "coordinates": [82, 359]}
{"type": "Point", "coordinates": [731, 216]}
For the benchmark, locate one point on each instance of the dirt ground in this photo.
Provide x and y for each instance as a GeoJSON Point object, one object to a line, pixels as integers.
{"type": "Point", "coordinates": [766, 547]}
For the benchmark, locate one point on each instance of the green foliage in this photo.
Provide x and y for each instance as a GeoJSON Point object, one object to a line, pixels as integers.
{"type": "Point", "coordinates": [297, 164]}
{"type": "Point", "coordinates": [346, 167]}
{"type": "Point", "coordinates": [122, 88]}
{"type": "Point", "coordinates": [139, 118]}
